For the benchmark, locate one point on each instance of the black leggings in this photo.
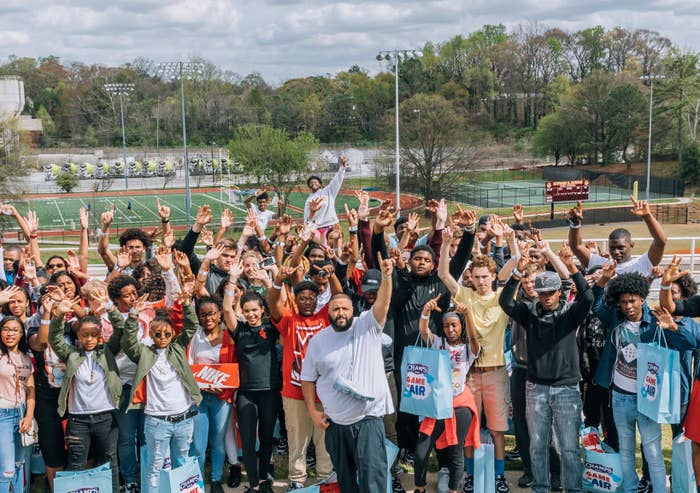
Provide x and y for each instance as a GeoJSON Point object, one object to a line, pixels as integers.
{"type": "Point", "coordinates": [455, 453]}
{"type": "Point", "coordinates": [257, 410]}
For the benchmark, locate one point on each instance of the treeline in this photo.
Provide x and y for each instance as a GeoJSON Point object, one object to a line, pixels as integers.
{"type": "Point", "coordinates": [587, 92]}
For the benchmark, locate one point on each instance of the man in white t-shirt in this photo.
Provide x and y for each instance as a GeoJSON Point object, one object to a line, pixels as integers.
{"type": "Point", "coordinates": [325, 217]}
{"type": "Point", "coordinates": [344, 365]}
{"type": "Point", "coordinates": [620, 242]}
{"type": "Point", "coordinates": [262, 200]}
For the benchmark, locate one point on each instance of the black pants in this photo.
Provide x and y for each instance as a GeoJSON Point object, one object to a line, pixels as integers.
{"type": "Point", "coordinates": [454, 453]}
{"type": "Point", "coordinates": [358, 455]}
{"type": "Point", "coordinates": [522, 435]}
{"type": "Point", "coordinates": [598, 411]}
{"type": "Point", "coordinates": [96, 432]}
{"type": "Point", "coordinates": [257, 410]}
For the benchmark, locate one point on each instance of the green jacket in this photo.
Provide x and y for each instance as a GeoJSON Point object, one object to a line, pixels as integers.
{"type": "Point", "coordinates": [146, 356]}
{"type": "Point", "coordinates": [73, 357]}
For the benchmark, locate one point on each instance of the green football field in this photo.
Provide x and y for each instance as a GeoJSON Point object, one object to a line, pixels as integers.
{"type": "Point", "coordinates": [139, 208]}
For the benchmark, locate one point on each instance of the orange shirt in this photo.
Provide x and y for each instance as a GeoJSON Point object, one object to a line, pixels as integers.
{"type": "Point", "coordinates": [296, 332]}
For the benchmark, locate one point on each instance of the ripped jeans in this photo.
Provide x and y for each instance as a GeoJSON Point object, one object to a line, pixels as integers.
{"type": "Point", "coordinates": [12, 454]}
{"type": "Point", "coordinates": [93, 432]}
{"type": "Point", "coordinates": [162, 438]}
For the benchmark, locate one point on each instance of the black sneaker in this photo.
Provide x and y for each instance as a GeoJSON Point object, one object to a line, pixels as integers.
{"type": "Point", "coordinates": [234, 476]}
{"type": "Point", "coordinates": [555, 484]}
{"type": "Point", "coordinates": [407, 458]}
{"type": "Point", "coordinates": [513, 455]}
{"type": "Point", "coordinates": [282, 446]}
{"type": "Point", "coordinates": [525, 480]}
{"type": "Point", "coordinates": [266, 487]}
{"type": "Point", "coordinates": [293, 485]}
{"type": "Point", "coordinates": [396, 486]}
{"type": "Point", "coordinates": [216, 487]}
{"type": "Point", "coordinates": [644, 486]}
{"type": "Point", "coordinates": [502, 485]}
{"type": "Point", "coordinates": [468, 484]}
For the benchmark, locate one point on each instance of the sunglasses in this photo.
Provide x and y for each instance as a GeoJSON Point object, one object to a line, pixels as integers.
{"type": "Point", "coordinates": [55, 266]}
{"type": "Point", "coordinates": [162, 335]}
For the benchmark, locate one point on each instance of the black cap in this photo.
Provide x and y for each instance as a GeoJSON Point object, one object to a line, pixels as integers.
{"type": "Point", "coordinates": [371, 280]}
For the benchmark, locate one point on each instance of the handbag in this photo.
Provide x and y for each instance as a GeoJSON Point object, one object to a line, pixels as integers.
{"type": "Point", "coordinates": [682, 475]}
{"type": "Point", "coordinates": [184, 479]}
{"type": "Point", "coordinates": [96, 480]}
{"type": "Point", "coordinates": [31, 436]}
{"type": "Point", "coordinates": [658, 381]}
{"type": "Point", "coordinates": [426, 376]}
{"type": "Point", "coordinates": [484, 466]}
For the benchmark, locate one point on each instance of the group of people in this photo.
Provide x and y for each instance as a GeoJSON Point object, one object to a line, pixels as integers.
{"type": "Point", "coordinates": [317, 316]}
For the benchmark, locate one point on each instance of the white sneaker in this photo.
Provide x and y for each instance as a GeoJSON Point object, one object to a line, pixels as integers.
{"type": "Point", "coordinates": [443, 482]}
{"type": "Point", "coordinates": [332, 478]}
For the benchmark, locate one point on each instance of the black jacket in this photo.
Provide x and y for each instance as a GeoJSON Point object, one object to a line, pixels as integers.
{"type": "Point", "coordinates": [552, 349]}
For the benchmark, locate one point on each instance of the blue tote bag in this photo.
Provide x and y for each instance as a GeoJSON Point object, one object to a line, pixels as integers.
{"type": "Point", "coordinates": [659, 381]}
{"type": "Point", "coordinates": [96, 480]}
{"type": "Point", "coordinates": [426, 374]}
{"type": "Point", "coordinates": [602, 471]}
{"type": "Point", "coordinates": [184, 479]}
{"type": "Point", "coordinates": [682, 476]}
{"type": "Point", "coordinates": [484, 466]}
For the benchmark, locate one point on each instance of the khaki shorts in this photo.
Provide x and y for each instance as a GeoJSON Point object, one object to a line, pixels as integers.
{"type": "Point", "coordinates": [491, 393]}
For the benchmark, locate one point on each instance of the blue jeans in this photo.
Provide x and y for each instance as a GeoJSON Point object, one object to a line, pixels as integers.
{"type": "Point", "coordinates": [130, 428]}
{"type": "Point", "coordinates": [12, 454]}
{"type": "Point", "coordinates": [557, 408]}
{"type": "Point", "coordinates": [624, 408]}
{"type": "Point", "coordinates": [161, 436]}
{"type": "Point", "coordinates": [210, 427]}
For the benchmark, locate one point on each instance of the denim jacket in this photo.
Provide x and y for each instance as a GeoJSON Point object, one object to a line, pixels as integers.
{"type": "Point", "coordinates": [611, 317]}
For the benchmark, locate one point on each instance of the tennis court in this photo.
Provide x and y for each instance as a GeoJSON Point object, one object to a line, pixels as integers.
{"type": "Point", "coordinates": [139, 208]}
{"type": "Point", "coordinates": [528, 192]}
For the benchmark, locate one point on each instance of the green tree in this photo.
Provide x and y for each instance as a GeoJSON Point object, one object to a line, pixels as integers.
{"type": "Point", "coordinates": [67, 181]}
{"type": "Point", "coordinates": [624, 107]}
{"type": "Point", "coordinates": [272, 156]}
{"type": "Point", "coordinates": [557, 135]}
{"type": "Point", "coordinates": [12, 166]}
{"type": "Point", "coordinates": [690, 164]}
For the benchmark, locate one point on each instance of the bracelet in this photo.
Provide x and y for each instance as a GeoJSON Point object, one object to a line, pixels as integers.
{"type": "Point", "coordinates": [424, 317]}
{"type": "Point", "coordinates": [352, 229]}
{"type": "Point", "coordinates": [279, 243]}
{"type": "Point", "coordinates": [134, 313]}
{"type": "Point", "coordinates": [100, 233]}
{"type": "Point", "coordinates": [33, 237]}
{"type": "Point", "coordinates": [573, 225]}
{"type": "Point", "coordinates": [202, 271]}
{"type": "Point", "coordinates": [229, 292]}
{"type": "Point", "coordinates": [470, 229]}
{"type": "Point", "coordinates": [109, 305]}
{"type": "Point", "coordinates": [276, 286]}
{"type": "Point", "coordinates": [165, 222]}
{"type": "Point", "coordinates": [386, 278]}
{"type": "Point", "coordinates": [45, 322]}
{"type": "Point", "coordinates": [517, 273]}
{"type": "Point", "coordinates": [665, 288]}
{"type": "Point", "coordinates": [118, 269]}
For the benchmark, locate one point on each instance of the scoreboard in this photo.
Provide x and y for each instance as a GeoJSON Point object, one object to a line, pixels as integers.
{"type": "Point", "coordinates": [562, 191]}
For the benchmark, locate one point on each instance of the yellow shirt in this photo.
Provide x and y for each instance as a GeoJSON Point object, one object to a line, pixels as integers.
{"type": "Point", "coordinates": [490, 321]}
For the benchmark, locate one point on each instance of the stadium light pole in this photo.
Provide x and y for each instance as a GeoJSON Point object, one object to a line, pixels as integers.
{"type": "Point", "coordinates": [397, 55]}
{"type": "Point", "coordinates": [651, 79]}
{"type": "Point", "coordinates": [180, 70]}
{"type": "Point", "coordinates": [121, 89]}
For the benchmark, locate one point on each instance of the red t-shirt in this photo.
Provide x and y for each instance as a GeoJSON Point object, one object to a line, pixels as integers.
{"type": "Point", "coordinates": [297, 331]}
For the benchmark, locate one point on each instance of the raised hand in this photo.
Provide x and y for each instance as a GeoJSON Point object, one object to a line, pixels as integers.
{"type": "Point", "coordinates": [447, 235]}
{"type": "Point", "coordinates": [163, 211]}
{"type": "Point", "coordinates": [164, 258]}
{"type": "Point", "coordinates": [214, 253]}
{"type": "Point", "coordinates": [432, 305]}
{"type": "Point", "coordinates": [640, 208]}
{"type": "Point", "coordinates": [181, 259]}
{"type": "Point", "coordinates": [28, 268]}
{"type": "Point", "coordinates": [142, 303]}
{"type": "Point", "coordinates": [84, 218]}
{"type": "Point", "coordinates": [412, 222]}
{"type": "Point", "coordinates": [73, 261]}
{"type": "Point", "coordinates": [308, 232]}
{"type": "Point", "coordinates": [576, 213]}
{"type": "Point", "coordinates": [207, 236]}
{"type": "Point", "coordinates": [495, 226]}
{"type": "Point", "coordinates": [441, 213]}
{"type": "Point", "coordinates": [123, 258]}
{"type": "Point", "coordinates": [432, 206]}
{"type": "Point", "coordinates": [524, 261]}
{"type": "Point", "coordinates": [284, 225]}
{"type": "Point", "coordinates": [335, 233]}
{"type": "Point", "coordinates": [672, 272]}
{"type": "Point", "coordinates": [386, 206]}
{"type": "Point", "coordinates": [285, 273]}
{"type": "Point", "coordinates": [235, 270]}
{"type": "Point", "coordinates": [204, 215]}
{"type": "Point", "coordinates": [32, 222]}
{"type": "Point", "coordinates": [226, 219]}
{"type": "Point", "coordinates": [664, 318]}
{"type": "Point", "coordinates": [565, 253]}
{"type": "Point", "coordinates": [462, 308]}
{"type": "Point", "coordinates": [518, 213]}
{"type": "Point", "coordinates": [386, 265]}
{"type": "Point", "coordinates": [363, 209]}
{"type": "Point", "coordinates": [169, 238]}
{"type": "Point", "coordinates": [383, 220]}
{"type": "Point", "coordinates": [107, 218]}
{"type": "Point", "coordinates": [343, 161]}
{"type": "Point", "coordinates": [7, 294]}
{"type": "Point", "coordinates": [352, 217]}
{"type": "Point", "coordinates": [64, 305]}
{"type": "Point", "coordinates": [657, 272]}
{"type": "Point", "coordinates": [315, 204]}
{"type": "Point", "coordinates": [607, 272]}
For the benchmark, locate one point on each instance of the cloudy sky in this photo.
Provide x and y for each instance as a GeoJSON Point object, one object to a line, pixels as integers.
{"type": "Point", "coordinates": [287, 38]}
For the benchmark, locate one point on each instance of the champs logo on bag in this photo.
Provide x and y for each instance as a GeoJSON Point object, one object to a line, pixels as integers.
{"type": "Point", "coordinates": [651, 381]}
{"type": "Point", "coordinates": [418, 382]}
{"type": "Point", "coordinates": [93, 489]}
{"type": "Point", "coordinates": [191, 484]}
{"type": "Point", "coordinates": [598, 477]}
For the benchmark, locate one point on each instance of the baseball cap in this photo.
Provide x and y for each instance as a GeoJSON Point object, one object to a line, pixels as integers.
{"type": "Point", "coordinates": [547, 281]}
{"type": "Point", "coordinates": [371, 280]}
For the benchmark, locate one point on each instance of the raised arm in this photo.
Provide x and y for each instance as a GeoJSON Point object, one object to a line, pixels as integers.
{"type": "Point", "coordinates": [189, 318]}
{"type": "Point", "coordinates": [576, 236]}
{"type": "Point", "coordinates": [274, 295]}
{"type": "Point", "coordinates": [58, 343]}
{"type": "Point", "coordinates": [424, 322]}
{"type": "Point", "coordinates": [103, 239]}
{"type": "Point", "coordinates": [559, 262]}
{"type": "Point", "coordinates": [334, 185]}
{"type": "Point", "coordinates": [226, 223]}
{"type": "Point", "coordinates": [467, 220]}
{"type": "Point", "coordinates": [671, 275]}
{"type": "Point", "coordinates": [84, 240]}
{"type": "Point", "coordinates": [578, 310]}
{"type": "Point", "coordinates": [444, 263]}
{"type": "Point", "coordinates": [381, 305]}
{"type": "Point", "coordinates": [229, 310]}
{"type": "Point", "coordinates": [656, 249]}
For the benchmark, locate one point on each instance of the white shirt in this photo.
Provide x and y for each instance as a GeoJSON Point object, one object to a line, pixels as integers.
{"type": "Point", "coordinates": [461, 359]}
{"type": "Point", "coordinates": [264, 217]}
{"type": "Point", "coordinates": [625, 369]}
{"type": "Point", "coordinates": [326, 216]}
{"type": "Point", "coordinates": [89, 393]}
{"type": "Point", "coordinates": [641, 265]}
{"type": "Point", "coordinates": [330, 354]}
{"type": "Point", "coordinates": [201, 351]}
{"type": "Point", "coordinates": [165, 393]}
{"type": "Point", "coordinates": [322, 299]}
{"type": "Point", "coordinates": [126, 367]}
